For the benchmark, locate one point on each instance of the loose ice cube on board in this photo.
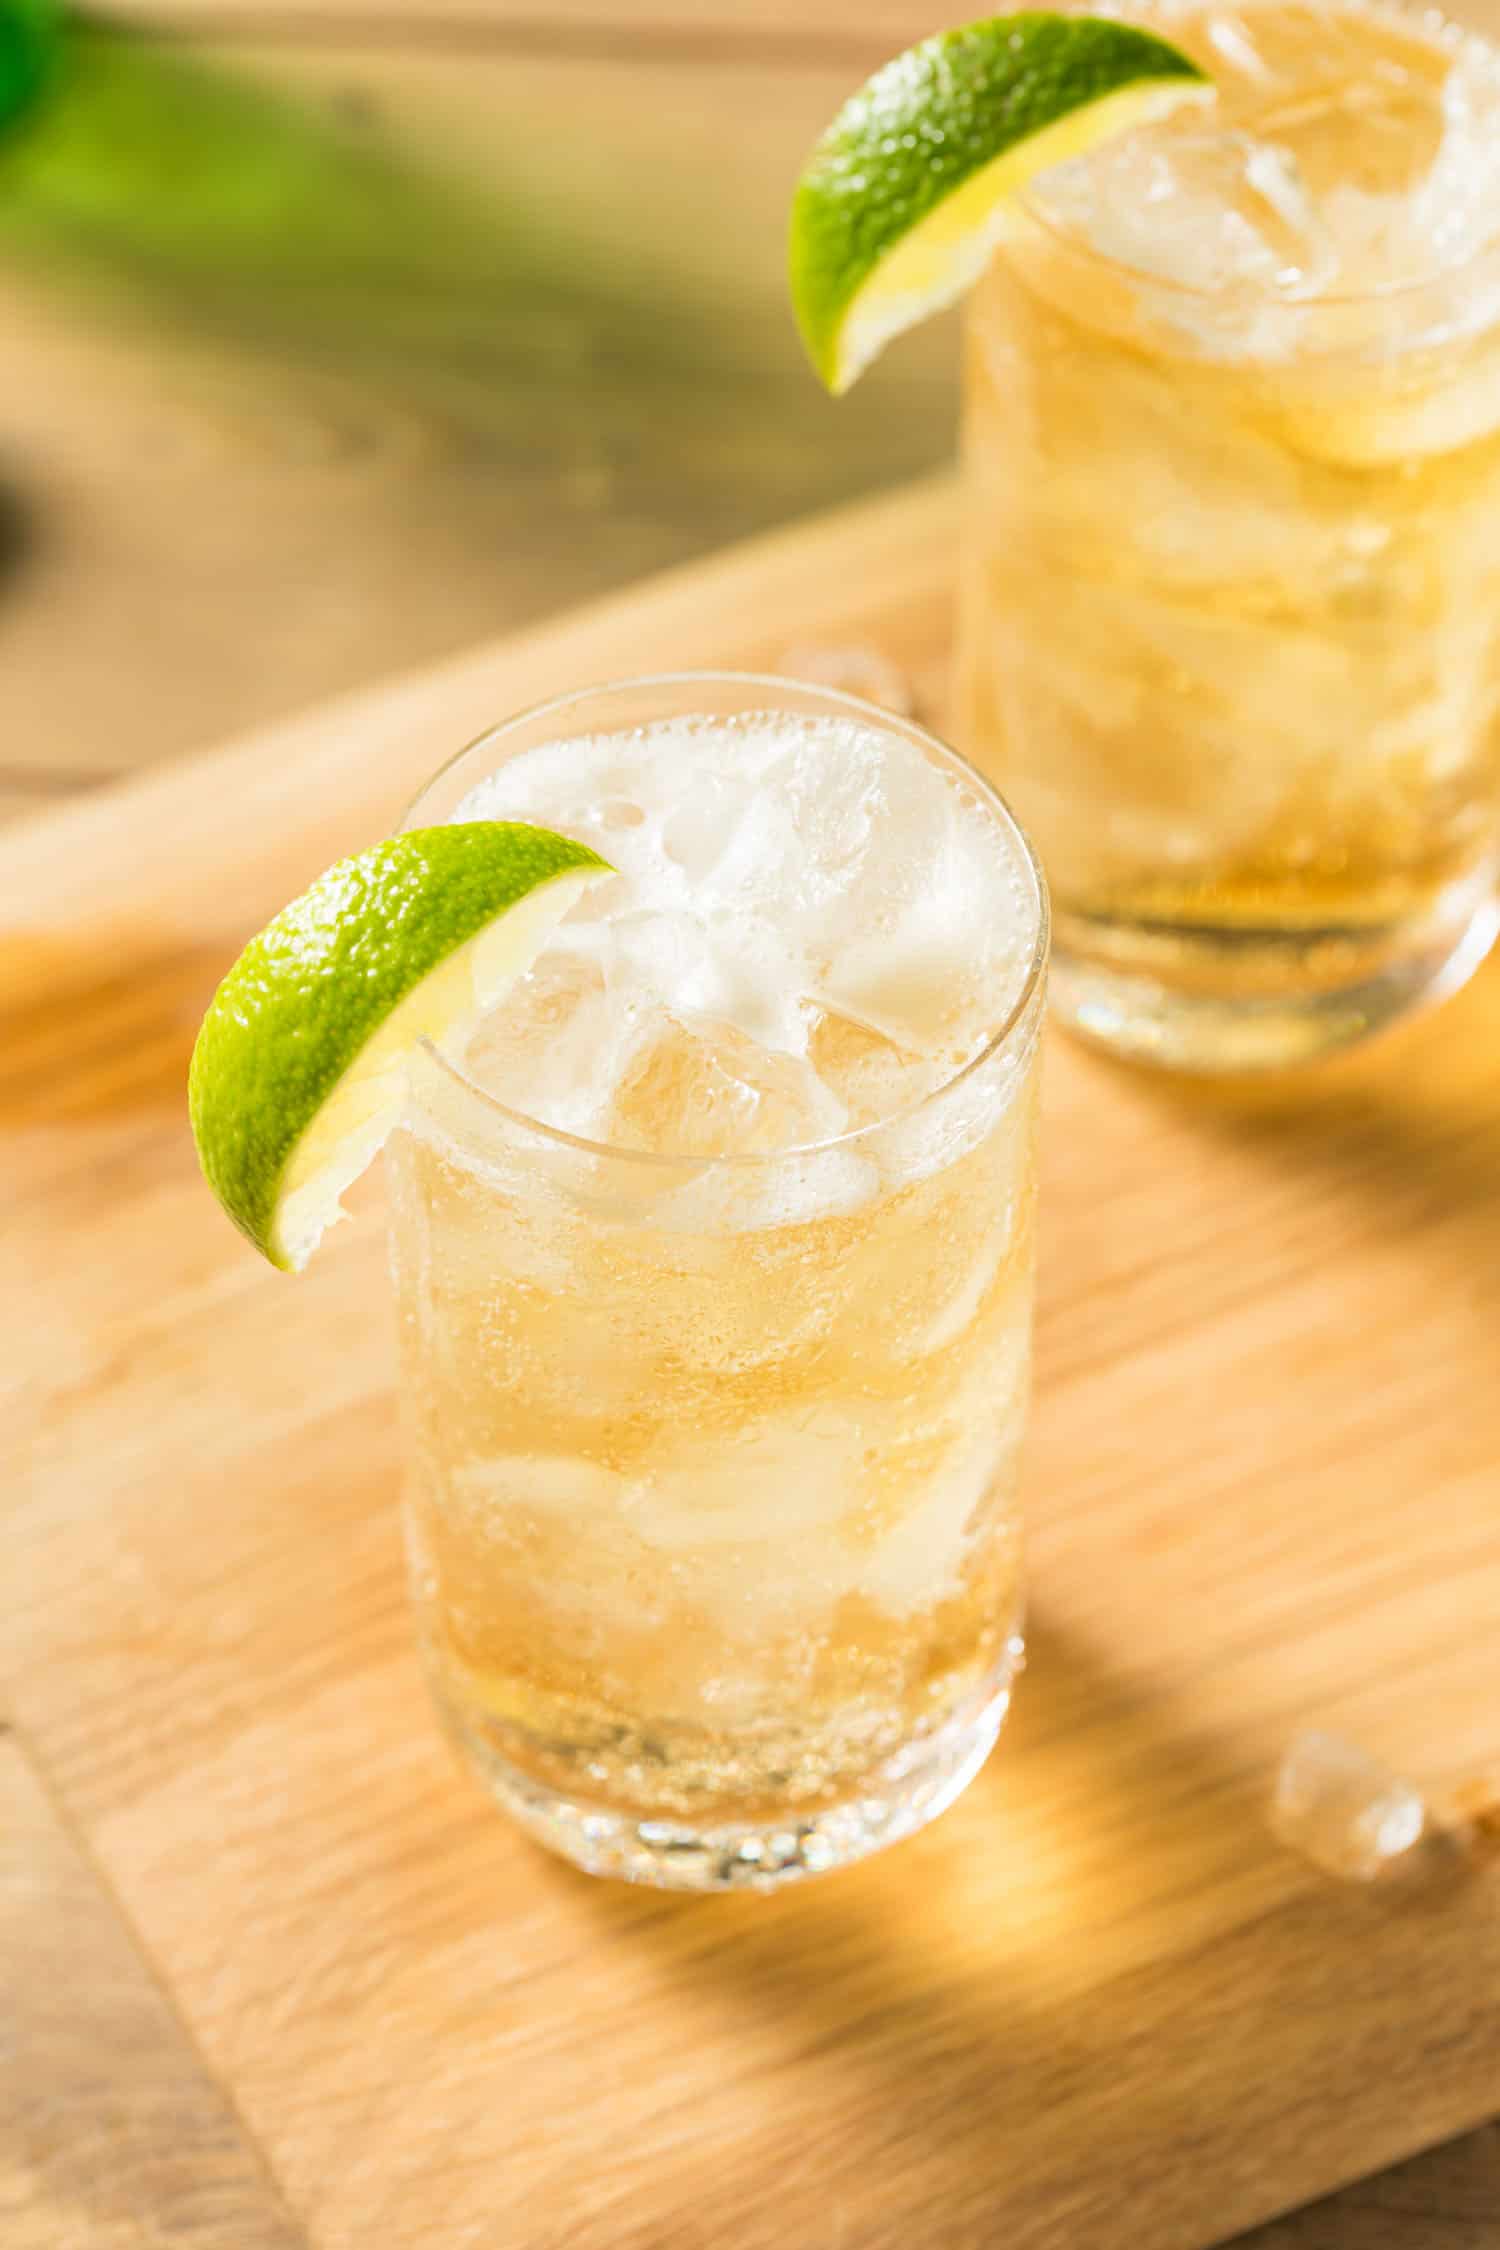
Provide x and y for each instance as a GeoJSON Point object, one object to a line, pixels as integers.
{"type": "Point", "coordinates": [1343, 1809]}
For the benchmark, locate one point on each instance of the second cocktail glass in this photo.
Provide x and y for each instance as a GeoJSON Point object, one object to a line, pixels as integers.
{"type": "Point", "coordinates": [1231, 608]}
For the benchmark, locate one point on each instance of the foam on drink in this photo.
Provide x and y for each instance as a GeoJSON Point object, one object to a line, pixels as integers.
{"type": "Point", "coordinates": [812, 930]}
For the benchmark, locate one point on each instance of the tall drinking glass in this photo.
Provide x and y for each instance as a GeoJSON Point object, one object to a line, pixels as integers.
{"type": "Point", "coordinates": [1231, 610]}
{"type": "Point", "coordinates": [716, 1388]}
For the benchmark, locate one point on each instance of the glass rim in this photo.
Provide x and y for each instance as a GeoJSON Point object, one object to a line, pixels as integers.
{"type": "Point", "coordinates": [838, 701]}
{"type": "Point", "coordinates": [1454, 37]}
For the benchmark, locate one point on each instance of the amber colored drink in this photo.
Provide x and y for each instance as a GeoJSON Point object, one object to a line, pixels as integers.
{"type": "Point", "coordinates": [1231, 637]}
{"type": "Point", "coordinates": [714, 1255]}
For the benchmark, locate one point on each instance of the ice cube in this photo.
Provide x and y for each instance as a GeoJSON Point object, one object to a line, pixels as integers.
{"type": "Point", "coordinates": [910, 947]}
{"type": "Point", "coordinates": [734, 1509]}
{"type": "Point", "coordinates": [762, 973]}
{"type": "Point", "coordinates": [949, 1322]}
{"type": "Point", "coordinates": [930, 972]}
{"type": "Point", "coordinates": [664, 960]}
{"type": "Point", "coordinates": [776, 1479]}
{"type": "Point", "coordinates": [563, 1526]}
{"type": "Point", "coordinates": [1203, 208]}
{"type": "Point", "coordinates": [703, 1089]}
{"type": "Point", "coordinates": [757, 850]}
{"type": "Point", "coordinates": [1297, 58]}
{"type": "Point", "coordinates": [723, 964]}
{"type": "Point", "coordinates": [832, 806]}
{"type": "Point", "coordinates": [554, 1044]}
{"type": "Point", "coordinates": [1233, 41]}
{"type": "Point", "coordinates": [1346, 152]}
{"type": "Point", "coordinates": [1457, 209]}
{"type": "Point", "coordinates": [1342, 1809]}
{"type": "Point", "coordinates": [869, 1073]}
{"type": "Point", "coordinates": [697, 832]}
{"type": "Point", "coordinates": [917, 847]}
{"type": "Point", "coordinates": [909, 985]}
{"type": "Point", "coordinates": [918, 1557]}
{"type": "Point", "coordinates": [801, 1190]}
{"type": "Point", "coordinates": [538, 1484]}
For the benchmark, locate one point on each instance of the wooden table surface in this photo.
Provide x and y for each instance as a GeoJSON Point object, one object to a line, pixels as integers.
{"type": "Point", "coordinates": [530, 344]}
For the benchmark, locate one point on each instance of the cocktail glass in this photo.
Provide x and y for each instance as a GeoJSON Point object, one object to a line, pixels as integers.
{"type": "Point", "coordinates": [713, 1513]}
{"type": "Point", "coordinates": [1231, 606]}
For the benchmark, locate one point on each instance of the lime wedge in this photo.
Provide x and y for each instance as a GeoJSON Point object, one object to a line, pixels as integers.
{"type": "Point", "coordinates": [904, 197]}
{"type": "Point", "coordinates": [298, 1075]}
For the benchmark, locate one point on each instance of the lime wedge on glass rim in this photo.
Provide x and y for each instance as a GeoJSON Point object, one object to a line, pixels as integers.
{"type": "Point", "coordinates": [906, 194]}
{"type": "Point", "coordinates": [298, 1074]}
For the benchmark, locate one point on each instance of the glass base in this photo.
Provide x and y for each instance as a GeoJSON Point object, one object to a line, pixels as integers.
{"type": "Point", "coordinates": [1211, 1000]}
{"type": "Point", "coordinates": [902, 1796]}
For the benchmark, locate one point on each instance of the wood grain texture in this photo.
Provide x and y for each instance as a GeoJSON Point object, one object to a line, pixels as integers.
{"type": "Point", "coordinates": [30, 795]}
{"type": "Point", "coordinates": [112, 2135]}
{"type": "Point", "coordinates": [776, 26]}
{"type": "Point", "coordinates": [1262, 1479]}
{"type": "Point", "coordinates": [1448, 2199]}
{"type": "Point", "coordinates": [787, 32]}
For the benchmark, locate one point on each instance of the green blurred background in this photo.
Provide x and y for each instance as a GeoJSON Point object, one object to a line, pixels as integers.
{"type": "Point", "coordinates": [337, 337]}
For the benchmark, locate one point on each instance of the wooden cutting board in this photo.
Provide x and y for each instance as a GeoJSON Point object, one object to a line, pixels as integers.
{"type": "Point", "coordinates": [1096, 2006]}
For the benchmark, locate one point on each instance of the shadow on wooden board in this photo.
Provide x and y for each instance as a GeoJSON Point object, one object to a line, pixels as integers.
{"type": "Point", "coordinates": [947, 1991]}
{"type": "Point", "coordinates": [1410, 1124]}
{"type": "Point", "coordinates": [18, 536]}
{"type": "Point", "coordinates": [101, 1027]}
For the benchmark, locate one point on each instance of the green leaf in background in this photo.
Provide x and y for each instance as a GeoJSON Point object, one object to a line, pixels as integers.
{"type": "Point", "coordinates": [29, 43]}
{"type": "Point", "coordinates": [242, 211]}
